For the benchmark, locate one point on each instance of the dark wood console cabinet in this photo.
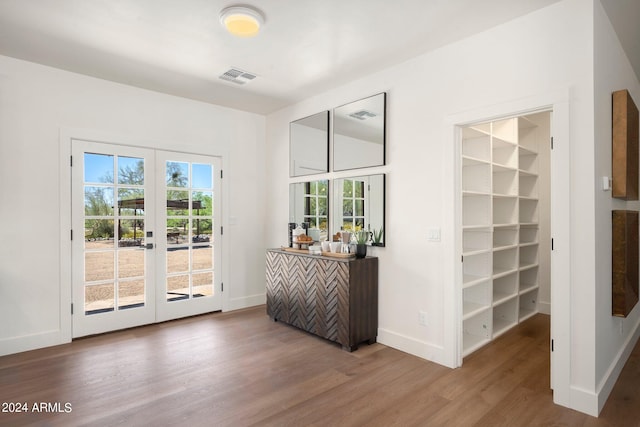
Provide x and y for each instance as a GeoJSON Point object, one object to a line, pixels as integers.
{"type": "Point", "coordinates": [333, 298]}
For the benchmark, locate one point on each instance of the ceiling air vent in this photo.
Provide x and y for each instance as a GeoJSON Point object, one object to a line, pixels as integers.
{"type": "Point", "coordinates": [237, 76]}
{"type": "Point", "coordinates": [362, 115]}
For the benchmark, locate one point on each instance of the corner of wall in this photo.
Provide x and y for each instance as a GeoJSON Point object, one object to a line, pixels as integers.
{"type": "Point", "coordinates": [611, 376]}
{"type": "Point", "coordinates": [423, 349]}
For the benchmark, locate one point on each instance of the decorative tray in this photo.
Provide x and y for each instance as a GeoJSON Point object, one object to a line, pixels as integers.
{"type": "Point", "coordinates": [329, 254]}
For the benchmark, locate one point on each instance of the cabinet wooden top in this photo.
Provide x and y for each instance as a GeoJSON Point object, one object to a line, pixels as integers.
{"type": "Point", "coordinates": [329, 258]}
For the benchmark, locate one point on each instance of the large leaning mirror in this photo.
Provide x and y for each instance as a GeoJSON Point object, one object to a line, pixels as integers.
{"type": "Point", "coordinates": [309, 145]}
{"type": "Point", "coordinates": [359, 134]}
{"type": "Point", "coordinates": [309, 204]}
{"type": "Point", "coordinates": [358, 204]}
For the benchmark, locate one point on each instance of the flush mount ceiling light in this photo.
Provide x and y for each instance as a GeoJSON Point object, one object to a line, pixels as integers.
{"type": "Point", "coordinates": [241, 21]}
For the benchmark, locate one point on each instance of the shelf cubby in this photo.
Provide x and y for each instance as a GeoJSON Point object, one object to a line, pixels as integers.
{"type": "Point", "coordinates": [505, 287]}
{"type": "Point", "coordinates": [527, 135]}
{"type": "Point", "coordinates": [476, 299]}
{"type": "Point", "coordinates": [528, 279]}
{"type": "Point", "coordinates": [476, 332]}
{"type": "Point", "coordinates": [504, 154]}
{"type": "Point", "coordinates": [505, 130]}
{"type": "Point", "coordinates": [528, 256]}
{"type": "Point", "coordinates": [528, 211]}
{"type": "Point", "coordinates": [505, 316]}
{"type": "Point", "coordinates": [476, 144]}
{"type": "Point", "coordinates": [528, 185]}
{"type": "Point", "coordinates": [504, 237]}
{"type": "Point", "coordinates": [476, 210]}
{"type": "Point", "coordinates": [476, 268]}
{"type": "Point", "coordinates": [476, 240]}
{"type": "Point", "coordinates": [505, 210]}
{"type": "Point", "coordinates": [504, 262]}
{"type": "Point", "coordinates": [476, 177]}
{"type": "Point", "coordinates": [505, 181]}
{"type": "Point", "coordinates": [528, 234]}
{"type": "Point", "coordinates": [528, 305]}
{"type": "Point", "coordinates": [527, 161]}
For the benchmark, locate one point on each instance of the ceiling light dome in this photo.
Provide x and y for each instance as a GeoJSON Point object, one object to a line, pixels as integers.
{"type": "Point", "coordinates": [242, 21]}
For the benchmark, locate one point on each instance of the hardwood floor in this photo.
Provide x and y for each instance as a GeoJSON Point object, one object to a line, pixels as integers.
{"type": "Point", "coordinates": [240, 369]}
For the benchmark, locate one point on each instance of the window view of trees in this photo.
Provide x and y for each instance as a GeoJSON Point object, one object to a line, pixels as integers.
{"type": "Point", "coordinates": [99, 202]}
{"type": "Point", "coordinates": [353, 205]}
{"type": "Point", "coordinates": [315, 204]}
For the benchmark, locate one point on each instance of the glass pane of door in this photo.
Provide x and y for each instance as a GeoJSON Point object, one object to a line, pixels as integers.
{"type": "Point", "coordinates": [189, 225]}
{"type": "Point", "coordinates": [114, 259]}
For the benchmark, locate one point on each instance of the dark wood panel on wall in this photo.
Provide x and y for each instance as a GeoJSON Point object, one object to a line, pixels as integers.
{"type": "Point", "coordinates": [624, 154]}
{"type": "Point", "coordinates": [624, 261]}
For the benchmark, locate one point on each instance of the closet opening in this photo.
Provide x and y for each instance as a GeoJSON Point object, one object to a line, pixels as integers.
{"type": "Point", "coordinates": [505, 193]}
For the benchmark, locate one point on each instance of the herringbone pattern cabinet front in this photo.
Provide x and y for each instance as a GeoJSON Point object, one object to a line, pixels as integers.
{"type": "Point", "coordinates": [334, 299]}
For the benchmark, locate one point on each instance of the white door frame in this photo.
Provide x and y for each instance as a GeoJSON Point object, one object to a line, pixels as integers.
{"type": "Point", "coordinates": [66, 135]}
{"type": "Point", "coordinates": [558, 103]}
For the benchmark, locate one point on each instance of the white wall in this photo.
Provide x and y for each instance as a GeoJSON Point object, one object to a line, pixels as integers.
{"type": "Point", "coordinates": [615, 337]}
{"type": "Point", "coordinates": [36, 102]}
{"type": "Point", "coordinates": [548, 50]}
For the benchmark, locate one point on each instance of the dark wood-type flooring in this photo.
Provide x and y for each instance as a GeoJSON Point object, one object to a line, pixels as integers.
{"type": "Point", "coordinates": [240, 368]}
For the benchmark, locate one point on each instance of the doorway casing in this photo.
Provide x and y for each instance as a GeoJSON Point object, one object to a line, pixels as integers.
{"type": "Point", "coordinates": [558, 104]}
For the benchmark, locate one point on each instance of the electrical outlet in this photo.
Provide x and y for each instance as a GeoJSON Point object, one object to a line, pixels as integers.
{"type": "Point", "coordinates": [423, 319]}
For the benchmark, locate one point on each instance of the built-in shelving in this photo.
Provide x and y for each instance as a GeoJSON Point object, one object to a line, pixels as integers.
{"type": "Point", "coordinates": [500, 211]}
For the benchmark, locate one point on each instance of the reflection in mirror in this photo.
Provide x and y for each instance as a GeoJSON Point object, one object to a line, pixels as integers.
{"type": "Point", "coordinates": [359, 134]}
{"type": "Point", "coordinates": [309, 145]}
{"type": "Point", "coordinates": [309, 203]}
{"type": "Point", "coordinates": [358, 204]}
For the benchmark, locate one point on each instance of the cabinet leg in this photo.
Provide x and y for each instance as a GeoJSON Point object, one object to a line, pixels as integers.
{"type": "Point", "coordinates": [372, 341]}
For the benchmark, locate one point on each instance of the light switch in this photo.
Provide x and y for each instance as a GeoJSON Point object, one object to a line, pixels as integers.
{"type": "Point", "coordinates": [433, 234]}
{"type": "Point", "coordinates": [606, 183]}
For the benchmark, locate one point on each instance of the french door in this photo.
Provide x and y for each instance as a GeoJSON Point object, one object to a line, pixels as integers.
{"type": "Point", "coordinates": [144, 234]}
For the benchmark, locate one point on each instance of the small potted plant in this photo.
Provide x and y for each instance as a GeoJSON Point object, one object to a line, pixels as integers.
{"type": "Point", "coordinates": [361, 237]}
{"type": "Point", "coordinates": [376, 237]}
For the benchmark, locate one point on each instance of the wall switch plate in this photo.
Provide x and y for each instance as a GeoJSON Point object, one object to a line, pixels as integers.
{"type": "Point", "coordinates": [606, 183]}
{"type": "Point", "coordinates": [433, 234]}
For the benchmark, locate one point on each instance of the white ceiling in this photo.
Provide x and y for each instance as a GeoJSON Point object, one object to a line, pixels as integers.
{"type": "Point", "coordinates": [306, 46]}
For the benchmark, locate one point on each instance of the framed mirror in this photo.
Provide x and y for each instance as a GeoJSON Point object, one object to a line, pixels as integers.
{"type": "Point", "coordinates": [359, 134]}
{"type": "Point", "coordinates": [309, 203]}
{"type": "Point", "coordinates": [309, 145]}
{"type": "Point", "coordinates": [359, 204]}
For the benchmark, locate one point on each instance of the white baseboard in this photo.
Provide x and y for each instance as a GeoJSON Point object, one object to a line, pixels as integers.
{"type": "Point", "coordinates": [423, 349]}
{"type": "Point", "coordinates": [584, 401]}
{"type": "Point", "coordinates": [31, 342]}
{"type": "Point", "coordinates": [610, 378]}
{"type": "Point", "coordinates": [544, 308]}
{"type": "Point", "coordinates": [245, 302]}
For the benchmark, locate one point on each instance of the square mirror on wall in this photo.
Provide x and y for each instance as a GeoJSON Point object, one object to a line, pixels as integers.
{"type": "Point", "coordinates": [309, 145]}
{"type": "Point", "coordinates": [359, 134]}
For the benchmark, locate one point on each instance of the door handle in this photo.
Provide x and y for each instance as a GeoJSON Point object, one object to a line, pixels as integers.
{"type": "Point", "coordinates": [149, 246]}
